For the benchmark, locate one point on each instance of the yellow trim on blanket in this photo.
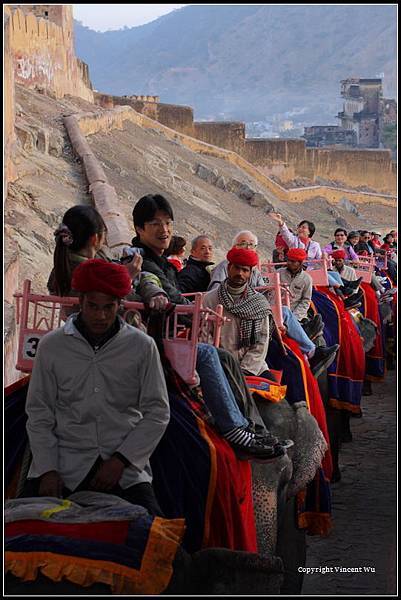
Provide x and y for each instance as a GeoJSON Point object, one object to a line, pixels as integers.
{"type": "Point", "coordinates": [275, 394]}
{"type": "Point", "coordinates": [46, 514]}
{"type": "Point", "coordinates": [152, 578]}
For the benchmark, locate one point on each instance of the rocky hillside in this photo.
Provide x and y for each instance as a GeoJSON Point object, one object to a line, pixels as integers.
{"type": "Point", "coordinates": [247, 62]}
{"type": "Point", "coordinates": [208, 194]}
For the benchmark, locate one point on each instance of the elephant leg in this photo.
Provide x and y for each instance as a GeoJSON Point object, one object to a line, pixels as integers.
{"type": "Point", "coordinates": [291, 548]}
{"type": "Point", "coordinates": [265, 507]}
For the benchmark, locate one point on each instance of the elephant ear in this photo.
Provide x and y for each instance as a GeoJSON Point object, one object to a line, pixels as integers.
{"type": "Point", "coordinates": [308, 450]}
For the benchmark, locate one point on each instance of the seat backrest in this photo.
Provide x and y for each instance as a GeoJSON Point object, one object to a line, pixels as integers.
{"type": "Point", "coordinates": [274, 295]}
{"type": "Point", "coordinates": [364, 267]}
{"type": "Point", "coordinates": [37, 314]}
{"type": "Point", "coordinates": [316, 268]}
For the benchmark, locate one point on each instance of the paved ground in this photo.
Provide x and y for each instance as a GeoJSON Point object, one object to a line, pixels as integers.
{"type": "Point", "coordinates": [364, 506]}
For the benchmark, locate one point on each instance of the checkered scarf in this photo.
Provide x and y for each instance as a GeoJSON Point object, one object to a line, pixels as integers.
{"type": "Point", "coordinates": [251, 309]}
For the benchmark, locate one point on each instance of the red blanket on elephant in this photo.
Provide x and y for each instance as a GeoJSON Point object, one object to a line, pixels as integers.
{"type": "Point", "coordinates": [346, 373]}
{"type": "Point", "coordinates": [375, 358]}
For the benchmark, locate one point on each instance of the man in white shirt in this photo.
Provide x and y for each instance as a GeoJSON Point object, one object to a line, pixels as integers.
{"type": "Point", "coordinates": [97, 402]}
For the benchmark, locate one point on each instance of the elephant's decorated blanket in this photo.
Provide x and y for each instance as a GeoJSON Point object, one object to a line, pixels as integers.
{"type": "Point", "coordinates": [375, 358]}
{"type": "Point", "coordinates": [91, 538]}
{"type": "Point", "coordinates": [346, 373]}
{"type": "Point", "coordinates": [198, 476]}
{"type": "Point", "coordinates": [314, 503]}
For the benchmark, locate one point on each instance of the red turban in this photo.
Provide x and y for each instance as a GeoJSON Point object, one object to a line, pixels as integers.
{"type": "Point", "coordinates": [296, 254]}
{"type": "Point", "coordinates": [98, 275]}
{"type": "Point", "coordinates": [243, 257]}
{"type": "Point", "coordinates": [339, 254]}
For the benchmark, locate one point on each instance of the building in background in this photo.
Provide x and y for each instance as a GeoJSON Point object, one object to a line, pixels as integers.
{"type": "Point", "coordinates": [329, 135]}
{"type": "Point", "coordinates": [362, 110]}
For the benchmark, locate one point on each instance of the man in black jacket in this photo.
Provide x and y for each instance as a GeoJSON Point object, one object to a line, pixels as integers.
{"type": "Point", "coordinates": [195, 276]}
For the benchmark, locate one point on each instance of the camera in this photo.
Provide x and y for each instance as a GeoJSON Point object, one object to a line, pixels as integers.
{"type": "Point", "coordinates": [130, 252]}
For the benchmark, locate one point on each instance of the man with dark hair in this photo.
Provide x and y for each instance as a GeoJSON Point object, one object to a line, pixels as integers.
{"type": "Point", "coordinates": [153, 221]}
{"type": "Point", "coordinates": [195, 276]}
{"type": "Point", "coordinates": [97, 402]}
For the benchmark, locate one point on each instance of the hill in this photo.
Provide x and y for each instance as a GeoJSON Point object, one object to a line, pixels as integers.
{"type": "Point", "coordinates": [246, 62]}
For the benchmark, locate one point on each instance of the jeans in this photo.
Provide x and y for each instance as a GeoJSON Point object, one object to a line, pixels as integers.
{"type": "Point", "coordinates": [217, 394]}
{"type": "Point", "coordinates": [334, 278]}
{"type": "Point", "coordinates": [296, 332]}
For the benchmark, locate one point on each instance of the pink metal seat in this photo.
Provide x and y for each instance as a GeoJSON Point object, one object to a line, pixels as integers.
{"type": "Point", "coordinates": [37, 314]}
{"type": "Point", "coordinates": [364, 267]}
{"type": "Point", "coordinates": [316, 268]}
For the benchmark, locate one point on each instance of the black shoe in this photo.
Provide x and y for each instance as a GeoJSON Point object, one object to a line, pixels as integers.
{"type": "Point", "coordinates": [257, 451]}
{"type": "Point", "coordinates": [263, 435]}
{"type": "Point", "coordinates": [313, 327]}
{"type": "Point", "coordinates": [322, 358]}
{"type": "Point", "coordinates": [353, 301]}
{"type": "Point", "coordinates": [353, 285]}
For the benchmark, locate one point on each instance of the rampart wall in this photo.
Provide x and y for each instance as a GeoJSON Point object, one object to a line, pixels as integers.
{"type": "Point", "coordinates": [43, 56]}
{"type": "Point", "coordinates": [106, 120]}
{"type": "Point", "coordinates": [283, 158]}
{"type": "Point", "coordinates": [10, 137]}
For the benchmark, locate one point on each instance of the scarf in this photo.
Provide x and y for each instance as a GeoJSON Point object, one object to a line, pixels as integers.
{"type": "Point", "coordinates": [251, 309]}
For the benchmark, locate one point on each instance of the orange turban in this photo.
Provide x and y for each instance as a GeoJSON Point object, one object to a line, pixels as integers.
{"type": "Point", "coordinates": [98, 275]}
{"type": "Point", "coordinates": [243, 257]}
{"type": "Point", "coordinates": [296, 254]}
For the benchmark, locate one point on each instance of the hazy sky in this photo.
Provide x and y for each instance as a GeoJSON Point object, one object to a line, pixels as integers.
{"type": "Point", "coordinates": [102, 17]}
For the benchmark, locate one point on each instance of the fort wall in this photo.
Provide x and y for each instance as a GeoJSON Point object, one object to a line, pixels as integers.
{"type": "Point", "coordinates": [43, 54]}
{"type": "Point", "coordinates": [107, 120]}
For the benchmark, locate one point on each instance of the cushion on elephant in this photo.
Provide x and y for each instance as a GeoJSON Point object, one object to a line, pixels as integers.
{"type": "Point", "coordinates": [121, 545]}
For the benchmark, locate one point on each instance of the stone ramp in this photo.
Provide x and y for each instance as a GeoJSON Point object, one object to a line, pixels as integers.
{"type": "Point", "coordinates": [364, 506]}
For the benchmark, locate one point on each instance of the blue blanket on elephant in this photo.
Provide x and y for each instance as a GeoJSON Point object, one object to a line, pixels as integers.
{"type": "Point", "coordinates": [346, 373]}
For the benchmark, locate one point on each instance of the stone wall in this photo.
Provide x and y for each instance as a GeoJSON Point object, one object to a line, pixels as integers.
{"type": "Point", "coordinates": [43, 55]}
{"type": "Point", "coordinates": [10, 137]}
{"type": "Point", "coordinates": [180, 118]}
{"type": "Point", "coordinates": [229, 134]}
{"type": "Point", "coordinates": [104, 121]}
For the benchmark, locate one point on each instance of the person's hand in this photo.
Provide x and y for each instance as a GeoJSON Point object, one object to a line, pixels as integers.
{"type": "Point", "coordinates": [283, 330]}
{"type": "Point", "coordinates": [51, 484]}
{"type": "Point", "coordinates": [108, 475]}
{"type": "Point", "coordinates": [134, 266]}
{"type": "Point", "coordinates": [158, 302]}
{"type": "Point", "coordinates": [277, 217]}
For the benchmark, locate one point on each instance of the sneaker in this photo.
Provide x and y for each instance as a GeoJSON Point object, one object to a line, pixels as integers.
{"type": "Point", "coordinates": [322, 358]}
{"type": "Point", "coordinates": [248, 447]}
{"type": "Point", "coordinates": [263, 435]}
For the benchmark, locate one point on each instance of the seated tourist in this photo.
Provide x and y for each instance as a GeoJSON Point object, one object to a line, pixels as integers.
{"type": "Point", "coordinates": [153, 221]}
{"type": "Point", "coordinates": [375, 240]}
{"type": "Point", "coordinates": [239, 300]}
{"type": "Point", "coordinates": [246, 335]}
{"type": "Point", "coordinates": [349, 277]}
{"type": "Point", "coordinates": [97, 402]}
{"type": "Point", "coordinates": [175, 253]}
{"type": "Point", "coordinates": [195, 276]}
{"type": "Point", "coordinates": [303, 237]}
{"type": "Point", "coordinates": [81, 236]}
{"type": "Point", "coordinates": [243, 239]}
{"type": "Point", "coordinates": [298, 281]}
{"type": "Point", "coordinates": [364, 247]}
{"type": "Point", "coordinates": [339, 243]}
